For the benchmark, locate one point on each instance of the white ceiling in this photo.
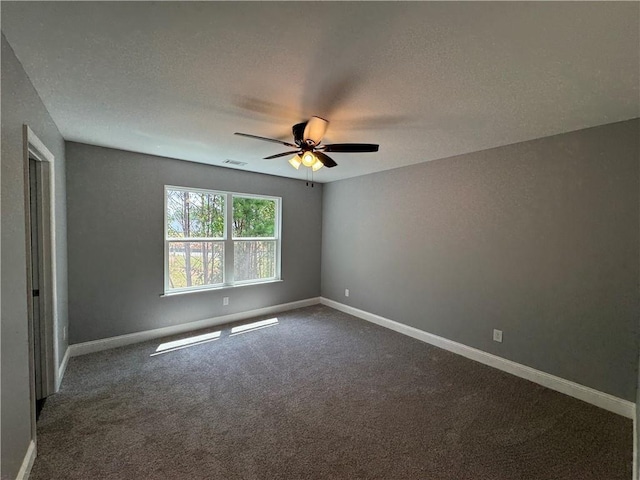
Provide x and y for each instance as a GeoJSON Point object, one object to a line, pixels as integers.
{"type": "Point", "coordinates": [424, 80]}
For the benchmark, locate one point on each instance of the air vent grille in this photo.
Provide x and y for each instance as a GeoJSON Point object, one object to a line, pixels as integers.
{"type": "Point", "coordinates": [235, 162]}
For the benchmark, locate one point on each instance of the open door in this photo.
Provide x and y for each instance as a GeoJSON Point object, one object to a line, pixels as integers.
{"type": "Point", "coordinates": [36, 212]}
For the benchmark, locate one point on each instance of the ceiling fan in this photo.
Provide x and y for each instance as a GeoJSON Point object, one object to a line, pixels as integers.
{"type": "Point", "coordinates": [308, 149]}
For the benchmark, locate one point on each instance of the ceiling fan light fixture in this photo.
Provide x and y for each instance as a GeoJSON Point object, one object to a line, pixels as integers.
{"type": "Point", "coordinates": [295, 162]}
{"type": "Point", "coordinates": [317, 165]}
{"type": "Point", "coordinates": [308, 159]}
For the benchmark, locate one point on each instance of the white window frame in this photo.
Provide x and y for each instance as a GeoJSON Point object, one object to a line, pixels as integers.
{"type": "Point", "coordinates": [227, 240]}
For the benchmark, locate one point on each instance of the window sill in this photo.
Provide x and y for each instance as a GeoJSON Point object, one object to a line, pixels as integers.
{"type": "Point", "coordinates": [216, 289]}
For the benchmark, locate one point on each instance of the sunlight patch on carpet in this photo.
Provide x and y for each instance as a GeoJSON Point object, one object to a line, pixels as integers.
{"type": "Point", "coordinates": [186, 342]}
{"type": "Point", "coordinates": [250, 327]}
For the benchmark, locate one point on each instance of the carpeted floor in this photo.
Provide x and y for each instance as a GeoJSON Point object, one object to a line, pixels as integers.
{"type": "Point", "coordinates": [319, 395]}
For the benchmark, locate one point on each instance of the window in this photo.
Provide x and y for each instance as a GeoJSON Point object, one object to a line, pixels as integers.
{"type": "Point", "coordinates": [216, 239]}
{"type": "Point", "coordinates": [254, 238]}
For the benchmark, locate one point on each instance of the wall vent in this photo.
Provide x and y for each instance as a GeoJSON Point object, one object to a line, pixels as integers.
{"type": "Point", "coordinates": [235, 162]}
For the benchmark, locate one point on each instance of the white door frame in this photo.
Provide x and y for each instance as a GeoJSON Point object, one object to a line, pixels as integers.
{"type": "Point", "coordinates": [35, 149]}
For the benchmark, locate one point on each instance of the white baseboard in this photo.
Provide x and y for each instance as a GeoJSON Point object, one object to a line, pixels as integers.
{"type": "Point", "coordinates": [635, 446]}
{"type": "Point", "coordinates": [62, 368]}
{"type": "Point", "coordinates": [586, 394]}
{"type": "Point", "coordinates": [27, 463]}
{"type": "Point", "coordinates": [122, 340]}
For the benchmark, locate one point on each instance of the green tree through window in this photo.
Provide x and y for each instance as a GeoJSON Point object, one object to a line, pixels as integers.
{"type": "Point", "coordinates": [253, 217]}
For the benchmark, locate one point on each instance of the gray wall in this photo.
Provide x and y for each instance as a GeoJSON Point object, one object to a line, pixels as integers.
{"type": "Point", "coordinates": [539, 239]}
{"type": "Point", "coordinates": [116, 246]}
{"type": "Point", "coordinates": [21, 105]}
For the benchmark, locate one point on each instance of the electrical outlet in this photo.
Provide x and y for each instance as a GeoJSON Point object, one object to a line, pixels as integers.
{"type": "Point", "coordinates": [225, 300]}
{"type": "Point", "coordinates": [497, 335]}
{"type": "Point", "coordinates": [346, 292]}
{"type": "Point", "coordinates": [65, 333]}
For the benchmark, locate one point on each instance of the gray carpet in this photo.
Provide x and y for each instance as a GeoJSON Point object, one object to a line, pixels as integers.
{"type": "Point", "coordinates": [320, 395]}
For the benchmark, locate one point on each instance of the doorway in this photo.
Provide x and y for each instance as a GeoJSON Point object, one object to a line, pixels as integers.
{"type": "Point", "coordinates": [39, 175]}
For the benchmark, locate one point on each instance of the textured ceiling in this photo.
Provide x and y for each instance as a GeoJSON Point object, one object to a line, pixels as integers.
{"type": "Point", "coordinates": [424, 80]}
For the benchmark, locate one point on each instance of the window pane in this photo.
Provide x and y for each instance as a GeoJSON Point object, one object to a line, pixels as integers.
{"type": "Point", "coordinates": [254, 217]}
{"type": "Point", "coordinates": [194, 264]}
{"type": "Point", "coordinates": [194, 214]}
{"type": "Point", "coordinates": [254, 260]}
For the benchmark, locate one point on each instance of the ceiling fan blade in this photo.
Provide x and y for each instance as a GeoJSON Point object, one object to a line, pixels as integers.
{"type": "Point", "coordinates": [298, 132]}
{"type": "Point", "coordinates": [351, 147]}
{"type": "Point", "coordinates": [315, 129]}
{"type": "Point", "coordinates": [277, 155]}
{"type": "Point", "coordinates": [273, 140]}
{"type": "Point", "coordinates": [325, 159]}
